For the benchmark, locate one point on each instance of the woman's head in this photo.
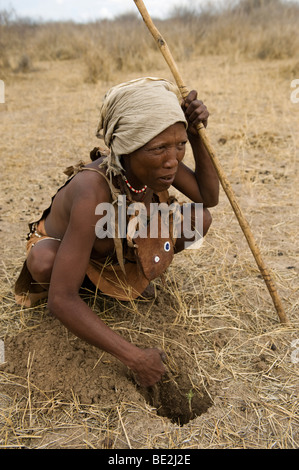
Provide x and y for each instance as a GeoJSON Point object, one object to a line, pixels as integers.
{"type": "Point", "coordinates": [136, 112]}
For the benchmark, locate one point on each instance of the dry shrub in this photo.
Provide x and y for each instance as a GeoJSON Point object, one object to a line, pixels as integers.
{"type": "Point", "coordinates": [58, 41]}
{"type": "Point", "coordinates": [99, 66]}
{"type": "Point", "coordinates": [4, 63]}
{"type": "Point", "coordinates": [290, 71]}
{"type": "Point", "coordinates": [24, 64]}
{"type": "Point", "coordinates": [124, 41]}
{"type": "Point", "coordinates": [253, 29]}
{"type": "Point", "coordinates": [262, 29]}
{"type": "Point", "coordinates": [116, 46]}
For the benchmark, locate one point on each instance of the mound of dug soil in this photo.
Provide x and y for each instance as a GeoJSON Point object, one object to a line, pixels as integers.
{"type": "Point", "coordinates": [59, 364]}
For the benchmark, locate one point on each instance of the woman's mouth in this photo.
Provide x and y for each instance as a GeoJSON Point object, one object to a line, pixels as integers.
{"type": "Point", "coordinates": [167, 180]}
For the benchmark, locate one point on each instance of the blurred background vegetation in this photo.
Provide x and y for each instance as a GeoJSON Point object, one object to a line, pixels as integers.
{"type": "Point", "coordinates": [251, 29]}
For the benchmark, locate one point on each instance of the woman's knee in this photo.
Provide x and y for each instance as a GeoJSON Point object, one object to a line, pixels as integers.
{"type": "Point", "coordinates": [201, 230]}
{"type": "Point", "coordinates": [207, 221]}
{"type": "Point", "coordinates": [40, 262]}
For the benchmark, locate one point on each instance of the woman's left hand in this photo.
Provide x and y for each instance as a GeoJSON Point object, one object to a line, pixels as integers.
{"type": "Point", "coordinates": [195, 112]}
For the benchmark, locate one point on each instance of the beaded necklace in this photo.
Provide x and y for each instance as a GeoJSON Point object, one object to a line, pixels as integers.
{"type": "Point", "coordinates": [136, 191]}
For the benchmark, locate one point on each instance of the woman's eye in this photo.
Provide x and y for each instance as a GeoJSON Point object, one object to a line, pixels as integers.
{"type": "Point", "coordinates": [182, 145]}
{"type": "Point", "coordinates": [162, 148]}
{"type": "Point", "coordinates": [159, 149]}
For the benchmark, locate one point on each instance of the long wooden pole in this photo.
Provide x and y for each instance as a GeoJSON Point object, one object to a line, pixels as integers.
{"type": "Point", "coordinates": [221, 175]}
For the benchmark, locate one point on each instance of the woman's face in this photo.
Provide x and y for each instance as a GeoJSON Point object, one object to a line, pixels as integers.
{"type": "Point", "coordinates": [156, 163]}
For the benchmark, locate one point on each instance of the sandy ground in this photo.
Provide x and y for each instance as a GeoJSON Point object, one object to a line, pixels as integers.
{"type": "Point", "coordinates": [232, 378]}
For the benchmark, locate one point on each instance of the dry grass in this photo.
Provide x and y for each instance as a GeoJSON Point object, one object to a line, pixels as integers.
{"type": "Point", "coordinates": [263, 29]}
{"type": "Point", "coordinates": [214, 316]}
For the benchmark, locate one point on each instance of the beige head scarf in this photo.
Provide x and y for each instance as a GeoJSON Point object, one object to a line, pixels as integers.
{"type": "Point", "coordinates": [135, 112]}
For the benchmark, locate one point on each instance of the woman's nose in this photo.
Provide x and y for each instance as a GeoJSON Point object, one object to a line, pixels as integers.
{"type": "Point", "coordinates": [171, 158]}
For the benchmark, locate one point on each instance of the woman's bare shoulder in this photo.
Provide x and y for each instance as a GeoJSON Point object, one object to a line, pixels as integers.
{"type": "Point", "coordinates": [90, 182]}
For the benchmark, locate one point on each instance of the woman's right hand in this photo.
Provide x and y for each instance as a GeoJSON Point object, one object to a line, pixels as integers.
{"type": "Point", "coordinates": [149, 367]}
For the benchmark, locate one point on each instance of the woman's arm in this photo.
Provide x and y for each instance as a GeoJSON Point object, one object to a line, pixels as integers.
{"type": "Point", "coordinates": [65, 303]}
{"type": "Point", "coordinates": [202, 184]}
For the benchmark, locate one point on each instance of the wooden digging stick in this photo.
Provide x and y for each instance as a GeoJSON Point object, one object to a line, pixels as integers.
{"type": "Point", "coordinates": [222, 178]}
